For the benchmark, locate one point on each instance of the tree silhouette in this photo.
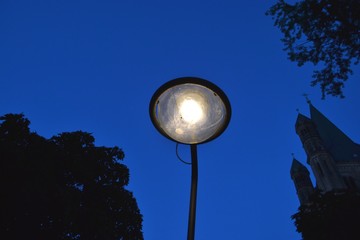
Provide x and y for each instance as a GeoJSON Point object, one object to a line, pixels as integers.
{"type": "Point", "coordinates": [330, 216]}
{"type": "Point", "coordinates": [324, 32]}
{"type": "Point", "coordinates": [63, 187]}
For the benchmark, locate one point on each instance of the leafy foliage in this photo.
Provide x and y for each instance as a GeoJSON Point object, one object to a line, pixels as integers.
{"type": "Point", "coordinates": [330, 216]}
{"type": "Point", "coordinates": [325, 32]}
{"type": "Point", "coordinates": [64, 187]}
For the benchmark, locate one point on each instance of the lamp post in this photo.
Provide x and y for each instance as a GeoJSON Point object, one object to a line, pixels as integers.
{"type": "Point", "coordinates": [191, 111]}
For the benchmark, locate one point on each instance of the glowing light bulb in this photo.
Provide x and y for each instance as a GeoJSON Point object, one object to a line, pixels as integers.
{"type": "Point", "coordinates": [191, 111]}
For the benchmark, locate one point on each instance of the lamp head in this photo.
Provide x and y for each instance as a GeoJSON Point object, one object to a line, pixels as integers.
{"type": "Point", "coordinates": [190, 110]}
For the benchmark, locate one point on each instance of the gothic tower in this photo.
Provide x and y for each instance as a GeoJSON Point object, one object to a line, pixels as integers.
{"type": "Point", "coordinates": [301, 177]}
{"type": "Point", "coordinates": [333, 157]}
{"type": "Point", "coordinates": [320, 160]}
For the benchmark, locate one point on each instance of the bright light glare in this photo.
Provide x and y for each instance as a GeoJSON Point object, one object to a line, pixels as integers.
{"type": "Point", "coordinates": [191, 111]}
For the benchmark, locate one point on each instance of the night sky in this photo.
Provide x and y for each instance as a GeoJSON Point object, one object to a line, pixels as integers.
{"type": "Point", "coordinates": [94, 65]}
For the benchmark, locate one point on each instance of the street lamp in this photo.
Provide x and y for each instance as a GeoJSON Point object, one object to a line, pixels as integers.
{"type": "Point", "coordinates": [191, 111]}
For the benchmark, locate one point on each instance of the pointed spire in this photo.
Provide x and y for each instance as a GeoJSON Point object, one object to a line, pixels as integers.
{"type": "Point", "coordinates": [297, 167]}
{"type": "Point", "coordinates": [301, 119]}
{"type": "Point", "coordinates": [341, 147]}
{"type": "Point", "coordinates": [307, 98]}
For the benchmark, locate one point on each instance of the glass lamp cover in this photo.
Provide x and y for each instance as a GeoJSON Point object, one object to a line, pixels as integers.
{"type": "Point", "coordinates": [190, 113]}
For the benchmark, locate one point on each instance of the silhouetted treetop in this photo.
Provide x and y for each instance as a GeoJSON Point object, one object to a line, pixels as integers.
{"type": "Point", "coordinates": [64, 187]}
{"type": "Point", "coordinates": [323, 32]}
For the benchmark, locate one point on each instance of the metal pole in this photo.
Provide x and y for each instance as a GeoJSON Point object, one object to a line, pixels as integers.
{"type": "Point", "coordinates": [194, 180]}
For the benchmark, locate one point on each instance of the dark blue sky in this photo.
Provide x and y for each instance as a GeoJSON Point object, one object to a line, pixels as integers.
{"type": "Point", "coordinates": [94, 65]}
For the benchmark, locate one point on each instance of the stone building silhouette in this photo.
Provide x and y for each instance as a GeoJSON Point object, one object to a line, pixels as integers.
{"type": "Point", "coordinates": [333, 157]}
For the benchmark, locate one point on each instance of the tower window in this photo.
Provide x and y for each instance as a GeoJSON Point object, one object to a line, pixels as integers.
{"type": "Point", "coordinates": [304, 132]}
{"type": "Point", "coordinates": [310, 147]}
{"type": "Point", "coordinates": [325, 164]}
{"type": "Point", "coordinates": [320, 169]}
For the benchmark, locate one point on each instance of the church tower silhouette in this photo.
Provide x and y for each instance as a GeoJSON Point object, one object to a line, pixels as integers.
{"type": "Point", "coordinates": [333, 157]}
